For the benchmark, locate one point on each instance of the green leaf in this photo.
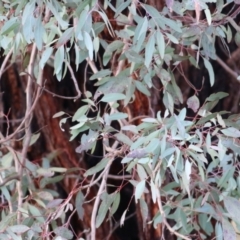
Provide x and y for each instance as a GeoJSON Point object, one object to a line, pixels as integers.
{"type": "Point", "coordinates": [231, 132]}
{"type": "Point", "coordinates": [46, 181]}
{"type": "Point", "coordinates": [45, 56]}
{"type": "Point", "coordinates": [9, 26]}
{"type": "Point", "coordinates": [139, 190]}
{"type": "Point", "coordinates": [160, 44]}
{"type": "Point", "coordinates": [100, 74]}
{"type": "Point", "coordinates": [60, 21]}
{"type": "Point", "coordinates": [104, 207]}
{"type": "Point", "coordinates": [117, 116]}
{"type": "Point", "coordinates": [65, 37]}
{"type": "Point", "coordinates": [113, 97]}
{"type": "Point", "coordinates": [142, 88]}
{"type": "Point", "coordinates": [59, 114]}
{"type": "Point", "coordinates": [233, 207]}
{"type": "Point", "coordinates": [79, 204]}
{"type": "Point", "coordinates": [144, 212]}
{"type": "Point", "coordinates": [123, 138]}
{"type": "Point", "coordinates": [154, 191]}
{"type": "Point", "coordinates": [121, 7]}
{"type": "Point", "coordinates": [149, 50]}
{"type": "Point", "coordinates": [81, 21]}
{"type": "Point", "coordinates": [141, 172]}
{"type": "Point", "coordinates": [63, 232]}
{"type": "Point", "coordinates": [97, 168]}
{"type": "Point", "coordinates": [172, 38]}
{"type": "Point", "coordinates": [123, 217]}
{"type": "Point", "coordinates": [228, 231]}
{"type": "Point", "coordinates": [209, 67]}
{"type": "Point", "coordinates": [218, 231]}
{"type": "Point", "coordinates": [36, 213]}
{"type": "Point", "coordinates": [116, 203]}
{"type": "Point", "coordinates": [195, 148]}
{"type": "Point", "coordinates": [89, 44]}
{"type": "Point", "coordinates": [54, 203]}
{"type": "Point", "coordinates": [34, 138]}
{"type": "Point", "coordinates": [18, 228]}
{"type": "Point", "coordinates": [80, 112]}
{"type": "Point", "coordinates": [217, 96]}
{"type": "Point", "coordinates": [58, 60]}
{"type": "Point", "coordinates": [131, 128]}
{"type": "Point", "coordinates": [208, 16]}
{"type": "Point", "coordinates": [143, 29]}
{"type": "Point", "coordinates": [39, 33]}
{"type": "Point", "coordinates": [133, 56]}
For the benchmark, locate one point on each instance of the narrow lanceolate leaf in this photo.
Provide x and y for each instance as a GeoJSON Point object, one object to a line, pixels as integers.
{"type": "Point", "coordinates": [139, 190]}
{"type": "Point", "coordinates": [79, 204]}
{"type": "Point", "coordinates": [80, 112]}
{"type": "Point", "coordinates": [144, 211]}
{"type": "Point", "coordinates": [209, 67]}
{"type": "Point", "coordinates": [208, 16]}
{"type": "Point", "coordinates": [58, 60]}
{"type": "Point", "coordinates": [45, 56]}
{"type": "Point", "coordinates": [144, 27]}
{"type": "Point", "coordinates": [104, 207]}
{"type": "Point", "coordinates": [228, 231]}
{"type": "Point", "coordinates": [56, 14]}
{"type": "Point", "coordinates": [160, 44]}
{"type": "Point", "coordinates": [101, 74]}
{"type": "Point", "coordinates": [63, 232]}
{"type": "Point", "coordinates": [123, 138]}
{"type": "Point", "coordinates": [150, 47]}
{"type": "Point", "coordinates": [89, 45]}
{"type": "Point", "coordinates": [112, 97]}
{"type": "Point", "coordinates": [231, 132]}
{"type": "Point", "coordinates": [38, 33]}
{"type": "Point", "coordinates": [117, 116]}
{"type": "Point", "coordinates": [233, 207]}
{"type": "Point", "coordinates": [97, 168]}
{"type": "Point", "coordinates": [65, 37]}
{"type": "Point", "coordinates": [18, 228]}
{"type": "Point", "coordinates": [123, 218]}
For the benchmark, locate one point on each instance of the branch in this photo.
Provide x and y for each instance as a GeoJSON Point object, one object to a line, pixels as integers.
{"type": "Point", "coordinates": [234, 24]}
{"type": "Point", "coordinates": [227, 68]}
{"type": "Point", "coordinates": [28, 132]}
{"type": "Point", "coordinates": [5, 62]}
{"type": "Point", "coordinates": [74, 79]}
{"type": "Point", "coordinates": [170, 229]}
{"type": "Point", "coordinates": [97, 201]}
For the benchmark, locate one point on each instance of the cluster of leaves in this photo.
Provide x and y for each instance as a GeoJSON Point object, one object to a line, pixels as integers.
{"type": "Point", "coordinates": [193, 165]}
{"type": "Point", "coordinates": [42, 208]}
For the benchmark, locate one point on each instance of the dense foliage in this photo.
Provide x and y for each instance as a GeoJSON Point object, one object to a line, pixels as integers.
{"type": "Point", "coordinates": [188, 166]}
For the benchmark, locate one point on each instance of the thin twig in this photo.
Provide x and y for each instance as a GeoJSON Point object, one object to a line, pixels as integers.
{"type": "Point", "coordinates": [227, 68]}
{"type": "Point", "coordinates": [19, 128]}
{"type": "Point", "coordinates": [120, 177]}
